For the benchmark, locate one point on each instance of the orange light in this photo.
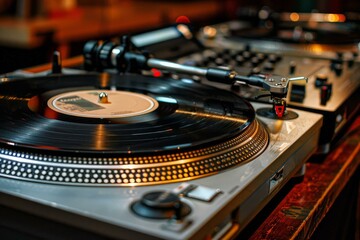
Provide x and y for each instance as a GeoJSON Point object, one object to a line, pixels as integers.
{"type": "Point", "coordinates": [294, 17]}
{"type": "Point", "coordinates": [210, 32]}
{"type": "Point", "coordinates": [104, 79]}
{"type": "Point", "coordinates": [100, 136]}
{"type": "Point", "coordinates": [212, 116]}
{"type": "Point", "coordinates": [333, 17]}
{"type": "Point", "coordinates": [317, 49]}
{"type": "Point", "coordinates": [342, 18]}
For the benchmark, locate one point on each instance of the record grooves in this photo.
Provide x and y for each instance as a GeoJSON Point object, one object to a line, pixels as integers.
{"type": "Point", "coordinates": [178, 130]}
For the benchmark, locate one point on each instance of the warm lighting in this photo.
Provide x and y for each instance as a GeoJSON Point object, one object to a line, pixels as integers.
{"type": "Point", "coordinates": [213, 116]}
{"type": "Point", "coordinates": [100, 136]}
{"type": "Point", "coordinates": [209, 32]}
{"type": "Point", "coordinates": [332, 17]}
{"type": "Point", "coordinates": [316, 48]}
{"type": "Point", "coordinates": [294, 17]}
{"type": "Point", "coordinates": [104, 79]}
{"type": "Point", "coordinates": [185, 31]}
{"type": "Point", "coordinates": [335, 18]}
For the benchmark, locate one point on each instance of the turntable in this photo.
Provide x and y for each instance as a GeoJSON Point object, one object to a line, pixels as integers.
{"type": "Point", "coordinates": [131, 156]}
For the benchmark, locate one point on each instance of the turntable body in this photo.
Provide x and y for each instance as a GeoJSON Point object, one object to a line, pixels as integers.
{"type": "Point", "coordinates": [194, 162]}
{"type": "Point", "coordinates": [238, 193]}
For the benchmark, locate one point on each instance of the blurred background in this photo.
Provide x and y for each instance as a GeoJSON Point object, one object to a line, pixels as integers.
{"type": "Point", "coordinates": [30, 30]}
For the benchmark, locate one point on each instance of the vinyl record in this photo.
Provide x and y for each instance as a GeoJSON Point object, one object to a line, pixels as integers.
{"type": "Point", "coordinates": [117, 114]}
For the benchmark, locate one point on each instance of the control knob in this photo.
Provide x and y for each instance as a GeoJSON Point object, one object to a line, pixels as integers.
{"type": "Point", "coordinates": [161, 205]}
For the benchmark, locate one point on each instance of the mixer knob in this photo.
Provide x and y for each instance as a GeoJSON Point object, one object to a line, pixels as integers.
{"type": "Point", "coordinates": [256, 70]}
{"type": "Point", "coordinates": [233, 53]}
{"type": "Point", "coordinates": [320, 79]}
{"type": "Point", "coordinates": [220, 54]}
{"type": "Point", "coordinates": [273, 58]}
{"type": "Point", "coordinates": [351, 59]}
{"type": "Point", "coordinates": [219, 61]}
{"type": "Point", "coordinates": [247, 47]}
{"type": "Point", "coordinates": [269, 66]}
{"type": "Point", "coordinates": [340, 55]}
{"type": "Point", "coordinates": [325, 93]}
{"type": "Point", "coordinates": [292, 67]}
{"type": "Point", "coordinates": [254, 61]}
{"type": "Point", "coordinates": [336, 64]}
{"type": "Point", "coordinates": [246, 54]}
{"type": "Point", "coordinates": [351, 62]}
{"type": "Point", "coordinates": [209, 59]}
{"type": "Point", "coordinates": [227, 51]}
{"type": "Point", "coordinates": [261, 56]}
{"type": "Point", "coordinates": [239, 59]}
{"type": "Point", "coordinates": [338, 68]}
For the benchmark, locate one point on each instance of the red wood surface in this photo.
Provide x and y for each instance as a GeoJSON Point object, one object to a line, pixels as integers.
{"type": "Point", "coordinates": [305, 205]}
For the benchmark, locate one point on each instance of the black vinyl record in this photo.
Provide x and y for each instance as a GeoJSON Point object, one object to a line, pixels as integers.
{"type": "Point", "coordinates": [54, 113]}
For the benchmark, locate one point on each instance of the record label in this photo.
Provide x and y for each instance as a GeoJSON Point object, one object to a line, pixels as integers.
{"type": "Point", "coordinates": [102, 104]}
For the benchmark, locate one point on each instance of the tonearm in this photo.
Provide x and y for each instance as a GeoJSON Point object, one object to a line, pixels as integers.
{"type": "Point", "coordinates": [120, 56]}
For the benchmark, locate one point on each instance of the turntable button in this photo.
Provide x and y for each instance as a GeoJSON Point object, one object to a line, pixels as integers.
{"type": "Point", "coordinates": [159, 199]}
{"type": "Point", "coordinates": [227, 51]}
{"type": "Point", "coordinates": [203, 193]}
{"type": "Point", "coordinates": [161, 205]}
